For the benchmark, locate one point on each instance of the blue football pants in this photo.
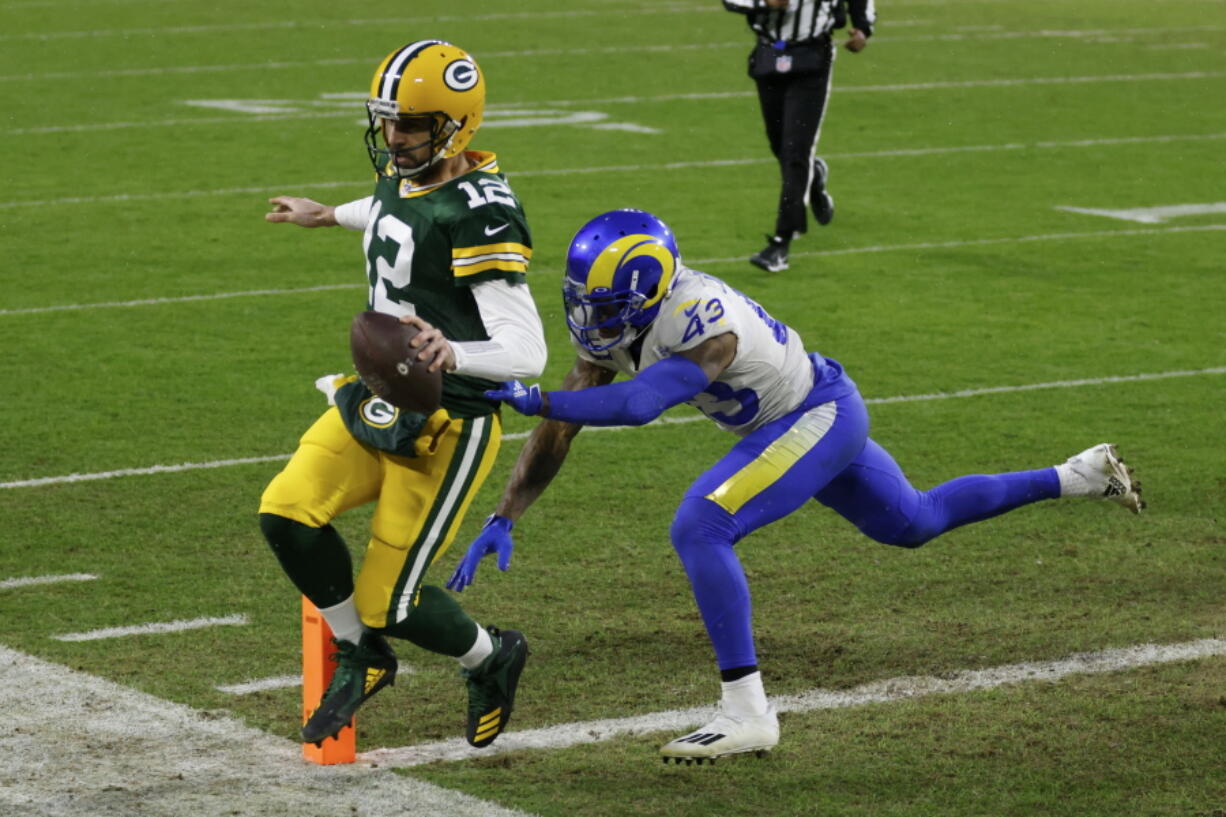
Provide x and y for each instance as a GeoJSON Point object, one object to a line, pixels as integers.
{"type": "Point", "coordinates": [823, 453]}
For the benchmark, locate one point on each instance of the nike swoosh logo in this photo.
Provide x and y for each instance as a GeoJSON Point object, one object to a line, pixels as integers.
{"type": "Point", "coordinates": [496, 230]}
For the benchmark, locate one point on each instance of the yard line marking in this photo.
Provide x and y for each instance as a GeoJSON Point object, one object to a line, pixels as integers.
{"type": "Point", "coordinates": [912, 86]}
{"type": "Point", "coordinates": [382, 22]}
{"type": "Point", "coordinates": [27, 581]}
{"type": "Point", "coordinates": [520, 435]}
{"type": "Point", "coordinates": [915, 398]}
{"type": "Point", "coordinates": [904, 688]}
{"type": "Point", "coordinates": [976, 242]}
{"type": "Point", "coordinates": [1054, 384]}
{"type": "Point", "coordinates": [216, 296]}
{"type": "Point", "coordinates": [155, 628]}
{"type": "Point", "coordinates": [34, 310]}
{"type": "Point", "coordinates": [132, 472]}
{"type": "Point", "coordinates": [59, 723]}
{"type": "Point", "coordinates": [116, 73]}
{"type": "Point", "coordinates": [1098, 35]}
{"type": "Point", "coordinates": [638, 168]}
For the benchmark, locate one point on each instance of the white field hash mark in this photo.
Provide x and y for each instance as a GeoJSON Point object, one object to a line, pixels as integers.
{"type": "Point", "coordinates": [27, 581]}
{"type": "Point", "coordinates": [155, 628]}
{"type": "Point", "coordinates": [1054, 384]}
{"type": "Point", "coordinates": [893, 689]}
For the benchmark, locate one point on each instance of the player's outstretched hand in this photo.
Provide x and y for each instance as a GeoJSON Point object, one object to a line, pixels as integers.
{"type": "Point", "coordinates": [495, 537]}
{"type": "Point", "coordinates": [527, 400]}
{"type": "Point", "coordinates": [300, 211]}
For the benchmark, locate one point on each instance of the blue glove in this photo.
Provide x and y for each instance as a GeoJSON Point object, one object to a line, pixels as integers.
{"type": "Point", "coordinates": [524, 399]}
{"type": "Point", "coordinates": [495, 537]}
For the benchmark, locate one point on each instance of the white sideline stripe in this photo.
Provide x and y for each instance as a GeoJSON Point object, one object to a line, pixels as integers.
{"type": "Point", "coordinates": [27, 581]}
{"type": "Point", "coordinates": [77, 745]}
{"type": "Point", "coordinates": [261, 685]}
{"type": "Point", "coordinates": [904, 688]}
{"type": "Point", "coordinates": [642, 168]}
{"type": "Point", "coordinates": [155, 628]}
{"type": "Point", "coordinates": [977, 242]}
{"type": "Point", "coordinates": [520, 435]}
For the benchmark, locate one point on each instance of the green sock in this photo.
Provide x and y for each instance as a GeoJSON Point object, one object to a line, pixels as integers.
{"type": "Point", "coordinates": [438, 624]}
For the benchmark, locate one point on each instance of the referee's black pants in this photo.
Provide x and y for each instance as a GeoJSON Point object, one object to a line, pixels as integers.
{"type": "Point", "coordinates": [793, 106]}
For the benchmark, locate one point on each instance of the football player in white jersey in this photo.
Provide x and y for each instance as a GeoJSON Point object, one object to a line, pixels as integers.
{"type": "Point", "coordinates": [685, 337]}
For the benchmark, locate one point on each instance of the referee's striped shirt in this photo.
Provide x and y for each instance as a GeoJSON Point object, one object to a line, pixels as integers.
{"type": "Point", "coordinates": [803, 20]}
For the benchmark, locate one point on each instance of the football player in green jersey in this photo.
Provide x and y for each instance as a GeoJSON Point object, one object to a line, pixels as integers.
{"type": "Point", "coordinates": [447, 248]}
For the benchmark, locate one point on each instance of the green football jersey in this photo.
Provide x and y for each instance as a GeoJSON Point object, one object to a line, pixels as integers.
{"type": "Point", "coordinates": [426, 246]}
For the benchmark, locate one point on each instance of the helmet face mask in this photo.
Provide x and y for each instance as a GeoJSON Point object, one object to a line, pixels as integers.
{"type": "Point", "coordinates": [619, 268]}
{"type": "Point", "coordinates": [431, 88]}
{"type": "Point", "coordinates": [602, 320]}
{"type": "Point", "coordinates": [437, 131]}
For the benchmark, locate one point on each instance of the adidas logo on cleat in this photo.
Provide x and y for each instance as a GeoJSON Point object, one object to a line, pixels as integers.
{"type": "Point", "coordinates": [702, 738]}
{"type": "Point", "coordinates": [373, 676]}
{"type": "Point", "coordinates": [724, 736]}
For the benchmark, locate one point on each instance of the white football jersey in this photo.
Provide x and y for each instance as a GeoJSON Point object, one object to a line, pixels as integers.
{"type": "Point", "coordinates": [770, 375]}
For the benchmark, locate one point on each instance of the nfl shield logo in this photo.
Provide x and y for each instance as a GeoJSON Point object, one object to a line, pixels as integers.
{"type": "Point", "coordinates": [783, 63]}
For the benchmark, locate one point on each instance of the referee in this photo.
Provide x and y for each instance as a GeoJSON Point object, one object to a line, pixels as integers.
{"type": "Point", "coordinates": [792, 64]}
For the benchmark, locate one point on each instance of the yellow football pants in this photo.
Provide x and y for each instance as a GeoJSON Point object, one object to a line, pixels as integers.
{"type": "Point", "coordinates": [421, 500]}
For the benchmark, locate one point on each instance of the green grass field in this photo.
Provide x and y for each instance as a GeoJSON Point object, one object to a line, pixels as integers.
{"type": "Point", "coordinates": [150, 317]}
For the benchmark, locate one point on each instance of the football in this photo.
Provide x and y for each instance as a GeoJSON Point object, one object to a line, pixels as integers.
{"type": "Point", "coordinates": [389, 368]}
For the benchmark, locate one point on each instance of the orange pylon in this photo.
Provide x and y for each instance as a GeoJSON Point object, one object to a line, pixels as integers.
{"type": "Point", "coordinates": [317, 669]}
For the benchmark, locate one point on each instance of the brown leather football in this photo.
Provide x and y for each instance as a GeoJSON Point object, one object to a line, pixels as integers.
{"type": "Point", "coordinates": [380, 347]}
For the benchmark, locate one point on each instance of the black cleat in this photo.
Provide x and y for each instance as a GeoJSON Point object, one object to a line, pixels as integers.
{"type": "Point", "coordinates": [491, 687]}
{"type": "Point", "coordinates": [362, 670]}
{"type": "Point", "coordinates": [819, 199]}
{"type": "Point", "coordinates": [774, 257]}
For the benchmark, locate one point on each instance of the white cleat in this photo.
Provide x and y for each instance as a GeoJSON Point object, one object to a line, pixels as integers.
{"type": "Point", "coordinates": [724, 736]}
{"type": "Point", "coordinates": [1107, 477]}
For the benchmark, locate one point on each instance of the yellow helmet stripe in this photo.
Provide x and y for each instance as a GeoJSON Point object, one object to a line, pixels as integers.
{"type": "Point", "coordinates": [624, 250]}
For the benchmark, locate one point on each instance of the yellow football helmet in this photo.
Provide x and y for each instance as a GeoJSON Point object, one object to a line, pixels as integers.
{"type": "Point", "coordinates": [429, 83]}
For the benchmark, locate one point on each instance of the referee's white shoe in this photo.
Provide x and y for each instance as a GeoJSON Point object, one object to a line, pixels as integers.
{"type": "Point", "coordinates": [725, 735]}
